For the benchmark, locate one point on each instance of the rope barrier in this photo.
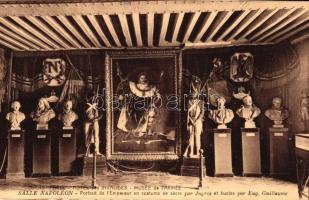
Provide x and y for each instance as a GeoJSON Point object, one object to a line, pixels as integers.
{"type": "Point", "coordinates": [115, 166]}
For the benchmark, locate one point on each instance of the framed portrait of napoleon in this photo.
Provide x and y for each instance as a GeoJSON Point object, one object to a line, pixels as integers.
{"type": "Point", "coordinates": [142, 105]}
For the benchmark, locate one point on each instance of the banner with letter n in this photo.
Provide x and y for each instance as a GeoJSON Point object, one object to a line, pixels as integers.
{"type": "Point", "coordinates": [54, 71]}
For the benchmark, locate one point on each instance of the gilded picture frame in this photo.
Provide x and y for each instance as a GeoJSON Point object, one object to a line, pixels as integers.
{"type": "Point", "coordinates": [126, 138]}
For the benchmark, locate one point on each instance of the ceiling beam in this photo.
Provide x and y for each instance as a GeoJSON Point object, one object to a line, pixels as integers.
{"type": "Point", "coordinates": [141, 7]}
{"type": "Point", "coordinates": [14, 42]}
{"type": "Point", "coordinates": [98, 29]}
{"type": "Point", "coordinates": [238, 20]}
{"type": "Point", "coordinates": [249, 21]}
{"type": "Point", "coordinates": [137, 28]}
{"type": "Point", "coordinates": [35, 32]}
{"type": "Point", "coordinates": [18, 37]}
{"type": "Point", "coordinates": [300, 39]}
{"type": "Point", "coordinates": [73, 30]}
{"type": "Point", "coordinates": [150, 28]}
{"type": "Point", "coordinates": [222, 21]}
{"type": "Point", "coordinates": [191, 25]}
{"type": "Point", "coordinates": [204, 45]}
{"type": "Point", "coordinates": [259, 23]}
{"type": "Point", "coordinates": [286, 31]}
{"type": "Point", "coordinates": [23, 33]}
{"type": "Point", "coordinates": [47, 30]}
{"type": "Point", "coordinates": [10, 46]}
{"type": "Point", "coordinates": [283, 24]}
{"type": "Point", "coordinates": [165, 20]}
{"type": "Point", "coordinates": [125, 28]}
{"type": "Point", "coordinates": [83, 25]}
{"type": "Point", "coordinates": [285, 36]}
{"type": "Point", "coordinates": [53, 23]}
{"type": "Point", "coordinates": [206, 24]}
{"type": "Point", "coordinates": [178, 22]}
{"type": "Point", "coordinates": [274, 23]}
{"type": "Point", "coordinates": [111, 29]}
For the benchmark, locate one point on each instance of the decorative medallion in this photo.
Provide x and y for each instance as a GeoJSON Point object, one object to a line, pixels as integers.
{"type": "Point", "coordinates": [54, 71]}
{"type": "Point", "coordinates": [241, 67]}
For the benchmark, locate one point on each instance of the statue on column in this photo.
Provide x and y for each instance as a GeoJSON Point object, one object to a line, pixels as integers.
{"type": "Point", "coordinates": [68, 116]}
{"type": "Point", "coordinates": [277, 113]}
{"type": "Point", "coordinates": [15, 117]}
{"type": "Point", "coordinates": [221, 115]}
{"type": "Point", "coordinates": [91, 126]}
{"type": "Point", "coordinates": [195, 118]}
{"type": "Point", "coordinates": [249, 112]}
{"type": "Point", "coordinates": [43, 114]}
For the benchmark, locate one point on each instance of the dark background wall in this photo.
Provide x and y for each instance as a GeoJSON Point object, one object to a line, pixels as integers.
{"type": "Point", "coordinates": [269, 61]}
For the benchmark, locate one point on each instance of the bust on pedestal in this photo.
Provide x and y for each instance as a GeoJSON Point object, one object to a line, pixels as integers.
{"type": "Point", "coordinates": [222, 138]}
{"type": "Point", "coordinates": [68, 116]}
{"type": "Point", "coordinates": [41, 138]}
{"type": "Point", "coordinates": [278, 139]}
{"type": "Point", "coordinates": [251, 151]}
{"type": "Point", "coordinates": [249, 112]}
{"type": "Point", "coordinates": [43, 114]}
{"type": "Point", "coordinates": [15, 117]}
{"type": "Point", "coordinates": [222, 115]}
{"type": "Point", "coordinates": [16, 142]}
{"type": "Point", "coordinates": [67, 139]}
{"type": "Point", "coordinates": [277, 113]}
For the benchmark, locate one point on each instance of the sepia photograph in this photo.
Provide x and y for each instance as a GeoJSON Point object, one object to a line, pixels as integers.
{"type": "Point", "coordinates": [143, 117]}
{"type": "Point", "coordinates": [154, 99]}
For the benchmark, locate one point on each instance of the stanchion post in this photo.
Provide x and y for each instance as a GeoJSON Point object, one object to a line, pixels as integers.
{"type": "Point", "coordinates": [201, 169]}
{"type": "Point", "coordinates": [94, 169]}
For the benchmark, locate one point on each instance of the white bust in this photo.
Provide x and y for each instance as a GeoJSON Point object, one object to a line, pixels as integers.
{"type": "Point", "coordinates": [43, 114]}
{"type": "Point", "coordinates": [248, 111]}
{"type": "Point", "coordinates": [15, 117]}
{"type": "Point", "coordinates": [68, 116]}
{"type": "Point", "coordinates": [277, 113]}
{"type": "Point", "coordinates": [222, 115]}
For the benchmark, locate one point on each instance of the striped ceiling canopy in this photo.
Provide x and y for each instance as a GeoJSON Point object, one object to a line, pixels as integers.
{"type": "Point", "coordinates": [66, 25]}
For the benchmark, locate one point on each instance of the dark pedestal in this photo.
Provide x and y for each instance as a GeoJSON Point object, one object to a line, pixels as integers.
{"type": "Point", "coordinates": [279, 151]}
{"type": "Point", "coordinates": [251, 152]}
{"type": "Point", "coordinates": [191, 167]}
{"type": "Point", "coordinates": [41, 152]}
{"type": "Point", "coordinates": [223, 152]}
{"type": "Point", "coordinates": [302, 163]}
{"type": "Point", "coordinates": [101, 166]}
{"type": "Point", "coordinates": [15, 165]}
{"type": "Point", "coordinates": [67, 151]}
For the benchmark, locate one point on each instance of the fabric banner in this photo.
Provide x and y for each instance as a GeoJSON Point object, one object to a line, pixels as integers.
{"type": "Point", "coordinates": [26, 84]}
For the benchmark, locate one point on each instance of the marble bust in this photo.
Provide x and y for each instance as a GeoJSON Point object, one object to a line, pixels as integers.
{"type": "Point", "coordinates": [221, 115]}
{"type": "Point", "coordinates": [15, 117]}
{"type": "Point", "coordinates": [248, 111]}
{"type": "Point", "coordinates": [277, 113]}
{"type": "Point", "coordinates": [68, 116]}
{"type": "Point", "coordinates": [43, 114]}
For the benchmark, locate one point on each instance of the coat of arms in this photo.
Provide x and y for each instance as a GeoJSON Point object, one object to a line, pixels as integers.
{"type": "Point", "coordinates": [54, 71]}
{"type": "Point", "coordinates": [241, 67]}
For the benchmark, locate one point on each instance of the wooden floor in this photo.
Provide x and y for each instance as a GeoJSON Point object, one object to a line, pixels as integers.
{"type": "Point", "coordinates": [150, 185]}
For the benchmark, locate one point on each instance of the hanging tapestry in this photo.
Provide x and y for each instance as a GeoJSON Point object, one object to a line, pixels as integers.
{"type": "Point", "coordinates": [74, 85]}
